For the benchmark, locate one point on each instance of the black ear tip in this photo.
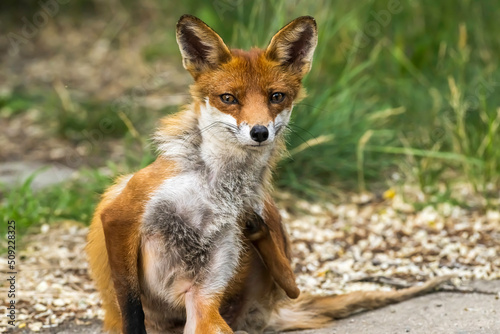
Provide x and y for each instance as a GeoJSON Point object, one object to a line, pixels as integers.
{"type": "Point", "coordinates": [308, 19]}
{"type": "Point", "coordinates": [188, 18]}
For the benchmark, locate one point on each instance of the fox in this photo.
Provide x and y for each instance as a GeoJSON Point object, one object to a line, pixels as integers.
{"type": "Point", "coordinates": [194, 243]}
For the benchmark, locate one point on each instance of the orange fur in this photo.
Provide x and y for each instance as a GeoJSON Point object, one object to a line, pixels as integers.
{"type": "Point", "coordinates": [205, 313]}
{"type": "Point", "coordinates": [310, 312]}
{"type": "Point", "coordinates": [117, 217]}
{"type": "Point", "coordinates": [98, 260]}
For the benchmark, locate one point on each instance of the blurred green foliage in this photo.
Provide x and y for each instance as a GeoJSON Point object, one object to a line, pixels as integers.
{"type": "Point", "coordinates": [400, 91]}
{"type": "Point", "coordinates": [74, 200]}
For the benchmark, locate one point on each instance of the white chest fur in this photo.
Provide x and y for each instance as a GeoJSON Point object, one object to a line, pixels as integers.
{"type": "Point", "coordinates": [191, 232]}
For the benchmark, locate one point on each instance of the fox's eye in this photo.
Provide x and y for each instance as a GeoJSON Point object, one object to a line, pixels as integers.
{"type": "Point", "coordinates": [277, 97]}
{"type": "Point", "coordinates": [228, 99]}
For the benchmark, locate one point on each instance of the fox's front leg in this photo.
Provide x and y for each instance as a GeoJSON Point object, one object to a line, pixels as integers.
{"type": "Point", "coordinates": [203, 299]}
{"type": "Point", "coordinates": [202, 314]}
{"type": "Point", "coordinates": [271, 240]}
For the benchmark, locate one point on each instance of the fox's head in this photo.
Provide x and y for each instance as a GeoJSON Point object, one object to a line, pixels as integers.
{"type": "Point", "coordinates": [248, 94]}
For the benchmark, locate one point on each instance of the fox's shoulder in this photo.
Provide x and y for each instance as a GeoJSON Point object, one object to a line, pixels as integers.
{"type": "Point", "coordinates": [130, 193]}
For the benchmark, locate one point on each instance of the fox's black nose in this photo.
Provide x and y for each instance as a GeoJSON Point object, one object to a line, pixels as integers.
{"type": "Point", "coordinates": [259, 133]}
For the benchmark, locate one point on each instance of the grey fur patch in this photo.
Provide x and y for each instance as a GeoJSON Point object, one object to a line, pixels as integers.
{"type": "Point", "coordinates": [182, 237]}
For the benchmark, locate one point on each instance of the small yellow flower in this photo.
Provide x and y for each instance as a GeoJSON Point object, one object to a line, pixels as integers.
{"type": "Point", "coordinates": [389, 193]}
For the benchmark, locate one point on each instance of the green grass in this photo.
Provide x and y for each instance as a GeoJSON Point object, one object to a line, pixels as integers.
{"type": "Point", "coordinates": [72, 200]}
{"type": "Point", "coordinates": [418, 98]}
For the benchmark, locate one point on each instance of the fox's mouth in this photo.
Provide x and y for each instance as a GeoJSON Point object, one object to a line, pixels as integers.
{"type": "Point", "coordinates": [257, 145]}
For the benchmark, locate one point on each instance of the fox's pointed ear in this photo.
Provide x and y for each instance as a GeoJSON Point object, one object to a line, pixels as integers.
{"type": "Point", "coordinates": [294, 44]}
{"type": "Point", "coordinates": [200, 46]}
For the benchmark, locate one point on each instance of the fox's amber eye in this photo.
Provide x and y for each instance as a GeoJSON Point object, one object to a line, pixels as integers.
{"type": "Point", "coordinates": [228, 99]}
{"type": "Point", "coordinates": [277, 97]}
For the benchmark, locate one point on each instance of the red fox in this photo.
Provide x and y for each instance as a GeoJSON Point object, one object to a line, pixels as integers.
{"type": "Point", "coordinates": [194, 243]}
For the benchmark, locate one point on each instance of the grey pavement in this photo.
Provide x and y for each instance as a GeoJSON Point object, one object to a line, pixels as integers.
{"type": "Point", "coordinates": [12, 173]}
{"type": "Point", "coordinates": [442, 312]}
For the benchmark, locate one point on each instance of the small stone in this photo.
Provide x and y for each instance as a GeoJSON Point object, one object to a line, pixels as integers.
{"type": "Point", "coordinates": [40, 308]}
{"type": "Point", "coordinates": [36, 326]}
{"type": "Point", "coordinates": [58, 302]}
{"type": "Point", "coordinates": [42, 287]}
{"type": "Point", "coordinates": [45, 228]}
{"type": "Point", "coordinates": [493, 215]}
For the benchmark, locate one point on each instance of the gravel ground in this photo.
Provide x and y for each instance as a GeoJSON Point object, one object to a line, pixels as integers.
{"type": "Point", "coordinates": [337, 248]}
{"type": "Point", "coordinates": [441, 312]}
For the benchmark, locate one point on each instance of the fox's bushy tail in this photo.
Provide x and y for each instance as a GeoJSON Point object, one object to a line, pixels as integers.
{"type": "Point", "coordinates": [309, 312]}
